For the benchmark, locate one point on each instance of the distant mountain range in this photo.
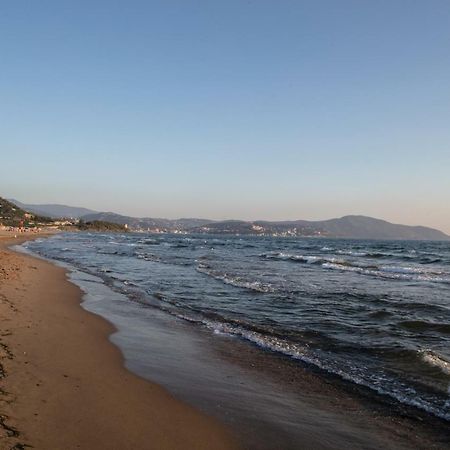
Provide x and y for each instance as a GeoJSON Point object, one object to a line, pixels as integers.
{"type": "Point", "coordinates": [358, 227]}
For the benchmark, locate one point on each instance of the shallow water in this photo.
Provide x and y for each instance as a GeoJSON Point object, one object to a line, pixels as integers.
{"type": "Point", "coordinates": [374, 313]}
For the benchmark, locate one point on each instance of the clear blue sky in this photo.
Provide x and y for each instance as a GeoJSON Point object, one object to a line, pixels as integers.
{"type": "Point", "coordinates": [244, 109]}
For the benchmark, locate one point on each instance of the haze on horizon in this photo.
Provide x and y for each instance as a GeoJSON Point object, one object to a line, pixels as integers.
{"type": "Point", "coordinates": [250, 110]}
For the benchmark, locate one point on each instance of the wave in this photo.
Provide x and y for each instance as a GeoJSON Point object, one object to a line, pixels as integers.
{"type": "Point", "coordinates": [436, 361]}
{"type": "Point", "coordinates": [375, 382]}
{"type": "Point", "coordinates": [296, 258]}
{"type": "Point", "coordinates": [148, 242]}
{"type": "Point", "coordinates": [428, 260]}
{"type": "Point", "coordinates": [420, 258]}
{"type": "Point", "coordinates": [363, 254]}
{"type": "Point", "coordinates": [412, 273]}
{"type": "Point", "coordinates": [405, 270]}
{"type": "Point", "coordinates": [180, 245]}
{"type": "Point", "coordinates": [423, 326]}
{"type": "Point", "coordinates": [147, 257]}
{"type": "Point", "coordinates": [393, 273]}
{"type": "Point", "coordinates": [311, 259]}
{"type": "Point", "coordinates": [235, 280]}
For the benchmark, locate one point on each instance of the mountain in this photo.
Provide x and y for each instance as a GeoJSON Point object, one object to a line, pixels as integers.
{"type": "Point", "coordinates": [54, 211]}
{"type": "Point", "coordinates": [363, 227]}
{"type": "Point", "coordinates": [358, 227]}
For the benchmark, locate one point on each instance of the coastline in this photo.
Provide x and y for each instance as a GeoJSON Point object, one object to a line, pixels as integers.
{"type": "Point", "coordinates": [63, 383]}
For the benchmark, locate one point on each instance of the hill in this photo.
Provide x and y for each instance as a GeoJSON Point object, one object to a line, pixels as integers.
{"type": "Point", "coordinates": [100, 225]}
{"type": "Point", "coordinates": [54, 211]}
{"type": "Point", "coordinates": [369, 228]}
{"type": "Point", "coordinates": [13, 216]}
{"type": "Point", "coordinates": [147, 223]}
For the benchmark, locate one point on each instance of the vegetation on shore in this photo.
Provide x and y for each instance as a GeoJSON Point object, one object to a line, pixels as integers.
{"type": "Point", "coordinates": [13, 216]}
{"type": "Point", "coordinates": [101, 225]}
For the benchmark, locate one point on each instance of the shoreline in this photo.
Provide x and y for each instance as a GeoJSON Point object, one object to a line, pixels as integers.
{"type": "Point", "coordinates": [63, 382]}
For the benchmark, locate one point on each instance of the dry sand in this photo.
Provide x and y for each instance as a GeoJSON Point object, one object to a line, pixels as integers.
{"type": "Point", "coordinates": [63, 384]}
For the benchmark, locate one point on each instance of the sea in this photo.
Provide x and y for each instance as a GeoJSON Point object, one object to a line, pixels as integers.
{"type": "Point", "coordinates": [373, 314]}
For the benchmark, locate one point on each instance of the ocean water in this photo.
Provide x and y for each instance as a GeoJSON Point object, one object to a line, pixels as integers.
{"type": "Point", "coordinates": [374, 313]}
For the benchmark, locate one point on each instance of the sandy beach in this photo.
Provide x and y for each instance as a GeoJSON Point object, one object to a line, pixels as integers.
{"type": "Point", "coordinates": [63, 384]}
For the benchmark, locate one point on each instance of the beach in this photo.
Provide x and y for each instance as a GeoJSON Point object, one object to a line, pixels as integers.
{"type": "Point", "coordinates": [64, 385]}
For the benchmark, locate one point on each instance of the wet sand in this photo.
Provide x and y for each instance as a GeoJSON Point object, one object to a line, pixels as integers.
{"type": "Point", "coordinates": [63, 385]}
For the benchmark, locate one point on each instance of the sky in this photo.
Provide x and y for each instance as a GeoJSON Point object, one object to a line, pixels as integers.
{"type": "Point", "coordinates": [229, 109]}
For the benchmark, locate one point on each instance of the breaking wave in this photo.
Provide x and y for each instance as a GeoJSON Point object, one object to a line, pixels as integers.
{"type": "Point", "coordinates": [437, 361]}
{"type": "Point", "coordinates": [384, 271]}
{"type": "Point", "coordinates": [235, 280]}
{"type": "Point", "coordinates": [393, 388]}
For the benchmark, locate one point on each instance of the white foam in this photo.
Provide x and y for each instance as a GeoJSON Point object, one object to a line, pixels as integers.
{"type": "Point", "coordinates": [352, 253]}
{"type": "Point", "coordinates": [436, 361]}
{"type": "Point", "coordinates": [407, 270]}
{"type": "Point", "coordinates": [235, 280]}
{"type": "Point", "coordinates": [302, 352]}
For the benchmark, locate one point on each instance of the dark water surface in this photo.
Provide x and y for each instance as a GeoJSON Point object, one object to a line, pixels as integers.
{"type": "Point", "coordinates": [373, 313]}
